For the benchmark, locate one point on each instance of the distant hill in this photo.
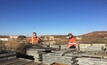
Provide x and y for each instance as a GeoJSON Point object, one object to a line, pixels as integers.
{"type": "Point", "coordinates": [94, 37]}
{"type": "Point", "coordinates": [96, 33]}
{"type": "Point", "coordinates": [4, 36]}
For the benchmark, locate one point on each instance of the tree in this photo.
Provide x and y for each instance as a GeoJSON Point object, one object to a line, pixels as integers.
{"type": "Point", "coordinates": [21, 37]}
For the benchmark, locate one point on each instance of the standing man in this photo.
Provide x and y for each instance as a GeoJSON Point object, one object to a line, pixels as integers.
{"type": "Point", "coordinates": [72, 41]}
{"type": "Point", "coordinates": [34, 39]}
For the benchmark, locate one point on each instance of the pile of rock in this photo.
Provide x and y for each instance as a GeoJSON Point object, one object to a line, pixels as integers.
{"type": "Point", "coordinates": [60, 57]}
{"type": "Point", "coordinates": [6, 55]}
{"type": "Point", "coordinates": [91, 61]}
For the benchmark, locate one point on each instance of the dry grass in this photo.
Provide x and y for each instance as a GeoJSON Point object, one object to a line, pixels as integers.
{"type": "Point", "coordinates": [16, 45]}
{"type": "Point", "coordinates": [12, 44]}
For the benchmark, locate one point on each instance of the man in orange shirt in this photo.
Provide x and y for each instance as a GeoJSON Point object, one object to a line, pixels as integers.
{"type": "Point", "coordinates": [34, 39]}
{"type": "Point", "coordinates": [72, 41]}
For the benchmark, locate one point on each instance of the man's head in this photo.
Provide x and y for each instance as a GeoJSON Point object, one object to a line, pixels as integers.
{"type": "Point", "coordinates": [34, 34]}
{"type": "Point", "coordinates": [70, 35]}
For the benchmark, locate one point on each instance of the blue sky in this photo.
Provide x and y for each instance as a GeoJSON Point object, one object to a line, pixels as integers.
{"type": "Point", "coordinates": [22, 17]}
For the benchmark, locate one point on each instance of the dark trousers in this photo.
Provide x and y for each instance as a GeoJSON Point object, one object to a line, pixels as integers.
{"type": "Point", "coordinates": [72, 46]}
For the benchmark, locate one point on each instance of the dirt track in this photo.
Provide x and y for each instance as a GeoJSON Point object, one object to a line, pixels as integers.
{"type": "Point", "coordinates": [19, 61]}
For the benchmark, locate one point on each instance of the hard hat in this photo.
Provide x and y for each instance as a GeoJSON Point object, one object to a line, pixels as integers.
{"type": "Point", "coordinates": [69, 34]}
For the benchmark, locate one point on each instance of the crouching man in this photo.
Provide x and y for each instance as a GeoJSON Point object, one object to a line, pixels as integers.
{"type": "Point", "coordinates": [72, 41]}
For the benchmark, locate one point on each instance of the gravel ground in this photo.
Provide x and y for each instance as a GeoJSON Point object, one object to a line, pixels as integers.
{"type": "Point", "coordinates": [19, 61]}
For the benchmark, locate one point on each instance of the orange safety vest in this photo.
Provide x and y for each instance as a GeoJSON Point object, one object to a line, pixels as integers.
{"type": "Point", "coordinates": [34, 40]}
{"type": "Point", "coordinates": [72, 41]}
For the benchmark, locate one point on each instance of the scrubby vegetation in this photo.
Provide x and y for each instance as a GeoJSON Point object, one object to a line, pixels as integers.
{"type": "Point", "coordinates": [95, 37]}
{"type": "Point", "coordinates": [17, 45]}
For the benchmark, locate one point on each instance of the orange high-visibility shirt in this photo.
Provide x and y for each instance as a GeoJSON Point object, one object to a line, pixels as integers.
{"type": "Point", "coordinates": [72, 41]}
{"type": "Point", "coordinates": [34, 40]}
